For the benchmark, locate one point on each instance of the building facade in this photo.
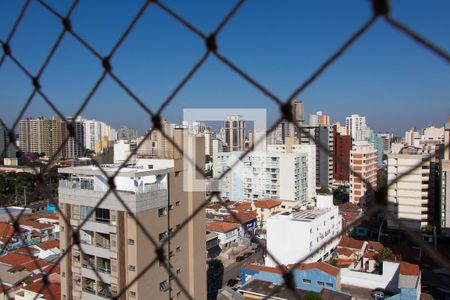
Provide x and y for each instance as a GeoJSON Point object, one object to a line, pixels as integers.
{"type": "Point", "coordinates": [117, 247]}
{"type": "Point", "coordinates": [235, 133]}
{"type": "Point", "coordinates": [294, 235]}
{"type": "Point", "coordinates": [363, 162]}
{"type": "Point", "coordinates": [342, 144]}
{"type": "Point", "coordinates": [409, 195]}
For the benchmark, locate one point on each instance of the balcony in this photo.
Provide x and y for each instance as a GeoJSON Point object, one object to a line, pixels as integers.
{"type": "Point", "coordinates": [88, 286]}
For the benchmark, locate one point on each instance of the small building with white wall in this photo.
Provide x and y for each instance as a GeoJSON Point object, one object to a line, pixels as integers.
{"type": "Point", "coordinates": [295, 234]}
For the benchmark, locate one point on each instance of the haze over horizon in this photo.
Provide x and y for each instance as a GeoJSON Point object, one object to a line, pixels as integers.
{"type": "Point", "coordinates": [384, 76]}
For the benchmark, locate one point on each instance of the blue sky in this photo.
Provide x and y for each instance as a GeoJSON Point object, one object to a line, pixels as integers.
{"type": "Point", "coordinates": [385, 76]}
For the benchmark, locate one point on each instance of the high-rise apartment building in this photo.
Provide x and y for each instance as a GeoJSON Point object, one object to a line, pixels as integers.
{"type": "Point", "coordinates": [412, 137]}
{"type": "Point", "coordinates": [95, 131]}
{"type": "Point", "coordinates": [447, 139]}
{"type": "Point", "coordinates": [75, 144]}
{"type": "Point", "coordinates": [269, 175]}
{"type": "Point", "coordinates": [126, 133]}
{"type": "Point", "coordinates": [444, 203]}
{"type": "Point", "coordinates": [342, 144]}
{"type": "Point", "coordinates": [386, 140]}
{"type": "Point", "coordinates": [357, 127]}
{"type": "Point", "coordinates": [307, 149]}
{"type": "Point", "coordinates": [41, 135]}
{"type": "Point", "coordinates": [363, 162]}
{"type": "Point", "coordinates": [409, 195]}
{"type": "Point", "coordinates": [235, 133]}
{"type": "Point", "coordinates": [114, 243]}
{"type": "Point", "coordinates": [7, 149]}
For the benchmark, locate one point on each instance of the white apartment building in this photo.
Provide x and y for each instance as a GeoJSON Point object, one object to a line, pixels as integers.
{"type": "Point", "coordinates": [271, 175]}
{"type": "Point", "coordinates": [412, 137]}
{"type": "Point", "coordinates": [122, 149]}
{"type": "Point", "coordinates": [408, 197]}
{"type": "Point", "coordinates": [357, 127]}
{"type": "Point", "coordinates": [94, 131]}
{"type": "Point", "coordinates": [310, 151]}
{"type": "Point", "coordinates": [363, 162]}
{"type": "Point", "coordinates": [294, 235]}
{"type": "Point", "coordinates": [433, 133]}
{"type": "Point", "coordinates": [115, 245]}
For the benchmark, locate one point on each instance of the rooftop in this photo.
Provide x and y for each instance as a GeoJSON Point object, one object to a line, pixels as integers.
{"type": "Point", "coordinates": [218, 226]}
{"type": "Point", "coordinates": [267, 203]}
{"type": "Point", "coordinates": [306, 215]}
{"type": "Point", "coordinates": [324, 267]}
{"type": "Point", "coordinates": [351, 243]}
{"type": "Point", "coordinates": [409, 269]}
{"type": "Point", "coordinates": [111, 169]}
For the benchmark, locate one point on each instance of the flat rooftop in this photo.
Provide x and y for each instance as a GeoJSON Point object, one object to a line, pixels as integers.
{"type": "Point", "coordinates": [306, 215]}
{"type": "Point", "coordinates": [110, 169]}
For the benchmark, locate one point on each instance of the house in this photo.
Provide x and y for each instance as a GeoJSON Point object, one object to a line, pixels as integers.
{"type": "Point", "coordinates": [264, 209]}
{"type": "Point", "coordinates": [38, 290]}
{"type": "Point", "coordinates": [228, 232]}
{"type": "Point", "coordinates": [246, 222]}
{"type": "Point", "coordinates": [212, 244]}
{"type": "Point", "coordinates": [48, 249]}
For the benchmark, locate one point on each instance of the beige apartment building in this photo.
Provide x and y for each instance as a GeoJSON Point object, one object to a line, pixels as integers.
{"type": "Point", "coordinates": [408, 196]}
{"type": "Point", "coordinates": [116, 246]}
{"type": "Point", "coordinates": [363, 161]}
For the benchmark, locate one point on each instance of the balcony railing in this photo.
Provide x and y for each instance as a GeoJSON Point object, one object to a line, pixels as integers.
{"type": "Point", "coordinates": [148, 188]}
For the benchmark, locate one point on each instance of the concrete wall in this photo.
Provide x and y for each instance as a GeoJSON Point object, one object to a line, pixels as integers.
{"type": "Point", "coordinates": [388, 280]}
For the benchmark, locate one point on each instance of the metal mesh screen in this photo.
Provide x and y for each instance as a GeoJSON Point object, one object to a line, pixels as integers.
{"type": "Point", "coordinates": [381, 13]}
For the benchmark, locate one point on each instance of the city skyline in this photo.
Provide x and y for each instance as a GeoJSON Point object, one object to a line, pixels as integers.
{"type": "Point", "coordinates": [362, 79]}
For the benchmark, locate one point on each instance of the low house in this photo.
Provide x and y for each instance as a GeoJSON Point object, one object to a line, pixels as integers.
{"type": "Point", "coordinates": [264, 209]}
{"type": "Point", "coordinates": [39, 290]}
{"type": "Point", "coordinates": [212, 245]}
{"type": "Point", "coordinates": [228, 232]}
{"type": "Point", "coordinates": [246, 222]}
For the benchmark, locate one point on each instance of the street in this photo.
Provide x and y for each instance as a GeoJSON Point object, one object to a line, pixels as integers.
{"type": "Point", "coordinates": [235, 268]}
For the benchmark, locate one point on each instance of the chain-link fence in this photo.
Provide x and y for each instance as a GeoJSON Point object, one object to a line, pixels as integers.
{"type": "Point", "coordinates": [381, 13]}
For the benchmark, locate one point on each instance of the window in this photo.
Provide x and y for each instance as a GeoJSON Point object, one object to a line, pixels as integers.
{"type": "Point", "coordinates": [178, 271]}
{"type": "Point", "coordinates": [132, 294]}
{"type": "Point", "coordinates": [164, 286]}
{"type": "Point", "coordinates": [329, 285]}
{"type": "Point", "coordinates": [177, 203]}
{"type": "Point", "coordinates": [85, 211]}
{"type": "Point", "coordinates": [177, 173]}
{"type": "Point", "coordinates": [320, 283]}
{"type": "Point", "coordinates": [162, 212]}
{"type": "Point", "coordinates": [131, 268]}
{"type": "Point", "coordinates": [130, 242]}
{"type": "Point", "coordinates": [75, 212]}
{"type": "Point", "coordinates": [170, 206]}
{"type": "Point", "coordinates": [178, 249]}
{"type": "Point", "coordinates": [307, 281]}
{"type": "Point", "coordinates": [102, 215]}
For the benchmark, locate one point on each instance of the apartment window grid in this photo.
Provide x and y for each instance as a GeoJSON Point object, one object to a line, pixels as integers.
{"type": "Point", "coordinates": [381, 11]}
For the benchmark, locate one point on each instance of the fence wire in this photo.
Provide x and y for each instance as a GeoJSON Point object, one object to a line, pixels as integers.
{"type": "Point", "coordinates": [380, 10]}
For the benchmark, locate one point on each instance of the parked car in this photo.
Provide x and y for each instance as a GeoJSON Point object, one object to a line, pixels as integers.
{"type": "Point", "coordinates": [240, 258]}
{"type": "Point", "coordinates": [378, 294]}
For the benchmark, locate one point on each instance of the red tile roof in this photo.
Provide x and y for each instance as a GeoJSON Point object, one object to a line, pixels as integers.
{"type": "Point", "coordinates": [215, 206]}
{"type": "Point", "coordinates": [351, 243]}
{"type": "Point", "coordinates": [38, 264]}
{"type": "Point", "coordinates": [377, 246]}
{"type": "Point", "coordinates": [243, 206]}
{"type": "Point", "coordinates": [267, 203]}
{"type": "Point", "coordinates": [265, 268]}
{"type": "Point", "coordinates": [409, 269]}
{"type": "Point", "coordinates": [345, 251]}
{"type": "Point", "coordinates": [52, 291]}
{"type": "Point", "coordinates": [15, 259]}
{"type": "Point", "coordinates": [218, 226]}
{"type": "Point", "coordinates": [243, 217]}
{"type": "Point", "coordinates": [49, 245]}
{"type": "Point", "coordinates": [370, 255]}
{"type": "Point", "coordinates": [6, 230]}
{"type": "Point", "coordinates": [321, 266]}
{"type": "Point", "coordinates": [341, 262]}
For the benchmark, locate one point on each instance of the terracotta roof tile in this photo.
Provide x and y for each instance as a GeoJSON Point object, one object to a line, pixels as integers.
{"type": "Point", "coordinates": [344, 251]}
{"type": "Point", "coordinates": [409, 269]}
{"type": "Point", "coordinates": [265, 268]}
{"type": "Point", "coordinates": [15, 259]}
{"type": "Point", "coordinates": [351, 243]}
{"type": "Point", "coordinates": [321, 266]}
{"type": "Point", "coordinates": [267, 203]}
{"type": "Point", "coordinates": [377, 246]}
{"type": "Point", "coordinates": [218, 226]}
{"type": "Point", "coordinates": [52, 291]}
{"type": "Point", "coordinates": [243, 217]}
{"type": "Point", "coordinates": [49, 245]}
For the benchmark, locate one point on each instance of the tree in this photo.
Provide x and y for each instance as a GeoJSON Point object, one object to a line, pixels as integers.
{"type": "Point", "coordinates": [384, 254]}
{"type": "Point", "coordinates": [324, 191]}
{"type": "Point", "coordinates": [427, 229]}
{"type": "Point", "coordinates": [312, 296]}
